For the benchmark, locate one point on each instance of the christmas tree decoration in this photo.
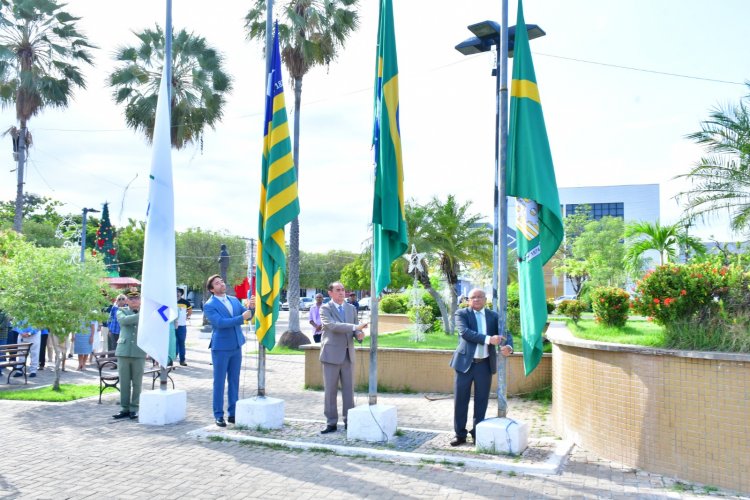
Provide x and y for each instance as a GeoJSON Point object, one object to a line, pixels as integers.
{"type": "Point", "coordinates": [105, 243]}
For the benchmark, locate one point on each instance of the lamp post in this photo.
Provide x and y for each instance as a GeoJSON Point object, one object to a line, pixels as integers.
{"type": "Point", "coordinates": [83, 231]}
{"type": "Point", "coordinates": [489, 34]}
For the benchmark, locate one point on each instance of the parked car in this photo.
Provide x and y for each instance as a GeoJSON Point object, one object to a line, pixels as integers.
{"type": "Point", "coordinates": [284, 306]}
{"type": "Point", "coordinates": [559, 300]}
{"type": "Point", "coordinates": [305, 303]}
{"type": "Point", "coordinates": [364, 304]}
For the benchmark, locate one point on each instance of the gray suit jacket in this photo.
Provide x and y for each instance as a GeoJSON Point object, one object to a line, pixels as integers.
{"type": "Point", "coordinates": [338, 333]}
{"type": "Point", "coordinates": [466, 324]}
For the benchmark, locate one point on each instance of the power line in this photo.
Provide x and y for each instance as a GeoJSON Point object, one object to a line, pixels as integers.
{"type": "Point", "coordinates": [642, 70]}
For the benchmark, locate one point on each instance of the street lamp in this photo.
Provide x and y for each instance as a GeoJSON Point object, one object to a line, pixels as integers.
{"type": "Point", "coordinates": [83, 231]}
{"type": "Point", "coordinates": [487, 34]}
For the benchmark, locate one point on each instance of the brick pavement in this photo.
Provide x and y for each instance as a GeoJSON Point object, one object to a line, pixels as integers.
{"type": "Point", "coordinates": [76, 450]}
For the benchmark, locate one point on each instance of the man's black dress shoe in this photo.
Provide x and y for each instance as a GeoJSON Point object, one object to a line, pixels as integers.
{"type": "Point", "coordinates": [458, 441]}
{"type": "Point", "coordinates": [220, 422]}
{"type": "Point", "coordinates": [473, 436]}
{"type": "Point", "coordinates": [182, 363]}
{"type": "Point", "coordinates": [329, 428]}
{"type": "Point", "coordinates": [133, 415]}
{"type": "Point", "coordinates": [230, 420]}
{"type": "Point", "coordinates": [122, 414]}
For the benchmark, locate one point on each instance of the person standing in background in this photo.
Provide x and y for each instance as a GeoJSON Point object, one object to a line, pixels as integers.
{"type": "Point", "coordinates": [184, 310]}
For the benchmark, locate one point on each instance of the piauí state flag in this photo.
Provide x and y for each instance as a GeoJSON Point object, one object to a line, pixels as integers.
{"type": "Point", "coordinates": [279, 204]}
{"type": "Point", "coordinates": [159, 282]}
{"type": "Point", "coordinates": [388, 217]}
{"type": "Point", "coordinates": [531, 179]}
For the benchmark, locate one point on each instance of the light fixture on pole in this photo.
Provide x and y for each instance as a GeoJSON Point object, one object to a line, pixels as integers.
{"type": "Point", "coordinates": [489, 34]}
{"type": "Point", "coordinates": [83, 231]}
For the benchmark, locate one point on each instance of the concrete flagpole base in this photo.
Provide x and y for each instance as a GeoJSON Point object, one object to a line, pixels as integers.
{"type": "Point", "coordinates": [162, 407]}
{"type": "Point", "coordinates": [263, 412]}
{"type": "Point", "coordinates": [372, 423]}
{"type": "Point", "coordinates": [502, 435]}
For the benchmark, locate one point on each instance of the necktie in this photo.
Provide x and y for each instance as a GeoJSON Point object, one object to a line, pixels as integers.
{"type": "Point", "coordinates": [480, 321]}
{"type": "Point", "coordinates": [341, 311]}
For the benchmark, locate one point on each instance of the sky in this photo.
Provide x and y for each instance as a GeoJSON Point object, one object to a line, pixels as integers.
{"type": "Point", "coordinates": [607, 124]}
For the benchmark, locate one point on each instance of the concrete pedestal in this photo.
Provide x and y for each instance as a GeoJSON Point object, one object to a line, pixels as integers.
{"type": "Point", "coordinates": [162, 407]}
{"type": "Point", "coordinates": [502, 435]}
{"type": "Point", "coordinates": [372, 423]}
{"type": "Point", "coordinates": [266, 413]}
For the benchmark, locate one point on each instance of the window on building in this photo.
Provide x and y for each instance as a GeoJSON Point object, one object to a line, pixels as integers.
{"type": "Point", "coordinates": [599, 210]}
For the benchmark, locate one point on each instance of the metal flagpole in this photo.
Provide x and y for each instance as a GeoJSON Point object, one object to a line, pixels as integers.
{"type": "Point", "coordinates": [501, 208]}
{"type": "Point", "coordinates": [269, 51]}
{"type": "Point", "coordinates": [163, 372]}
{"type": "Point", "coordinates": [373, 386]}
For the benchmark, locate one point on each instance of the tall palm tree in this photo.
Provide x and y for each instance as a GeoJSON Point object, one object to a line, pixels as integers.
{"type": "Point", "coordinates": [40, 48]}
{"type": "Point", "coordinates": [454, 237]}
{"type": "Point", "coordinates": [199, 84]}
{"type": "Point", "coordinates": [311, 32]}
{"type": "Point", "coordinates": [667, 240]}
{"type": "Point", "coordinates": [721, 180]}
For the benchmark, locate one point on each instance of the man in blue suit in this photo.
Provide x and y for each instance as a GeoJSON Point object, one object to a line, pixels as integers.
{"type": "Point", "coordinates": [226, 316]}
{"type": "Point", "coordinates": [475, 361]}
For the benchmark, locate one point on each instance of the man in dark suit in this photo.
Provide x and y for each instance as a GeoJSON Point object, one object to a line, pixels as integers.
{"type": "Point", "coordinates": [226, 316]}
{"type": "Point", "coordinates": [340, 328]}
{"type": "Point", "coordinates": [475, 361]}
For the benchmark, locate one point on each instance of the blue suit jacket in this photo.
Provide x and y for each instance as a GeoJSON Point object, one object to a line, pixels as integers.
{"type": "Point", "coordinates": [227, 328]}
{"type": "Point", "coordinates": [466, 324]}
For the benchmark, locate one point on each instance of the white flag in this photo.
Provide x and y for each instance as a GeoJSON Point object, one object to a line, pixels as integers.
{"type": "Point", "coordinates": [159, 282]}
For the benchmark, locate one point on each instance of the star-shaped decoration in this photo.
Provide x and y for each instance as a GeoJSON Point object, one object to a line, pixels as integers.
{"type": "Point", "coordinates": [415, 260]}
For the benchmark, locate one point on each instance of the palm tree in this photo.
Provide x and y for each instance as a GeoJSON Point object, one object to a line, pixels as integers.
{"type": "Point", "coordinates": [40, 48]}
{"type": "Point", "coordinates": [667, 240]}
{"type": "Point", "coordinates": [310, 34]}
{"type": "Point", "coordinates": [454, 237]}
{"type": "Point", "coordinates": [199, 84]}
{"type": "Point", "coordinates": [721, 180]}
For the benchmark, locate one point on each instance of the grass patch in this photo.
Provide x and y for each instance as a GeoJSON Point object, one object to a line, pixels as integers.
{"type": "Point", "coordinates": [636, 333]}
{"type": "Point", "coordinates": [682, 487]}
{"type": "Point", "coordinates": [399, 433]}
{"type": "Point", "coordinates": [543, 395]}
{"type": "Point", "coordinates": [67, 392]}
{"type": "Point", "coordinates": [384, 389]}
{"type": "Point", "coordinates": [433, 340]}
{"type": "Point", "coordinates": [314, 387]}
{"type": "Point", "coordinates": [281, 350]}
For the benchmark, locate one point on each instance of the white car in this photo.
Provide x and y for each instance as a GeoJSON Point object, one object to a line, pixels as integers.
{"type": "Point", "coordinates": [364, 304]}
{"type": "Point", "coordinates": [559, 300]}
{"type": "Point", "coordinates": [305, 303]}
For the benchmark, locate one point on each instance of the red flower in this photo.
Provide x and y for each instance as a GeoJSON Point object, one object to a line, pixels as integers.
{"type": "Point", "coordinates": [656, 301]}
{"type": "Point", "coordinates": [683, 292]}
{"type": "Point", "coordinates": [112, 251]}
{"type": "Point", "coordinates": [93, 252]}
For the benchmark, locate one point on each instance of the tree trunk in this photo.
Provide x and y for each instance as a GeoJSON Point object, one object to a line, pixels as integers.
{"type": "Point", "coordinates": [292, 288]}
{"type": "Point", "coordinates": [18, 216]}
{"type": "Point", "coordinates": [424, 279]}
{"type": "Point", "coordinates": [58, 359]}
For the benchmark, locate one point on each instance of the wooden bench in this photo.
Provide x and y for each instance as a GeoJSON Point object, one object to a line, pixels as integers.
{"type": "Point", "coordinates": [106, 363]}
{"type": "Point", "coordinates": [9, 354]}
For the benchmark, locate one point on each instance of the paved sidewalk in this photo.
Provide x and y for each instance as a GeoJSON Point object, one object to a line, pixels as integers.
{"type": "Point", "coordinates": [76, 450]}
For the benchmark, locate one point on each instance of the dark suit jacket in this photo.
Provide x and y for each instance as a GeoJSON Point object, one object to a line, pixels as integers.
{"type": "Point", "coordinates": [466, 324]}
{"type": "Point", "coordinates": [338, 333]}
{"type": "Point", "coordinates": [227, 328]}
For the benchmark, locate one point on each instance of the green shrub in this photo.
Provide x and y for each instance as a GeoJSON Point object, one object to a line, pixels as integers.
{"type": "Point", "coordinates": [422, 315]}
{"type": "Point", "coordinates": [572, 309]}
{"type": "Point", "coordinates": [393, 303]}
{"type": "Point", "coordinates": [610, 305]}
{"type": "Point", "coordinates": [673, 293]}
{"type": "Point", "coordinates": [550, 306]}
{"type": "Point", "coordinates": [429, 300]}
{"type": "Point", "coordinates": [585, 297]}
{"type": "Point", "coordinates": [513, 321]}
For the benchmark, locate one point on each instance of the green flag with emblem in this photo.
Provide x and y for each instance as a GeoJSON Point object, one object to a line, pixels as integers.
{"type": "Point", "coordinates": [531, 179]}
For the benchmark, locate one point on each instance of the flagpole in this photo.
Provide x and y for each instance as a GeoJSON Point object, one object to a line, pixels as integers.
{"type": "Point", "coordinates": [163, 371]}
{"type": "Point", "coordinates": [373, 386]}
{"type": "Point", "coordinates": [269, 53]}
{"type": "Point", "coordinates": [500, 293]}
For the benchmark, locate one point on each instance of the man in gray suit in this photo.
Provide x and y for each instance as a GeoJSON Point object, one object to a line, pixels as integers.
{"type": "Point", "coordinates": [475, 361]}
{"type": "Point", "coordinates": [340, 328]}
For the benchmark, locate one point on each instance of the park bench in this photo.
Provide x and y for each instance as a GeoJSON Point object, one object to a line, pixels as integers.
{"type": "Point", "coordinates": [9, 353]}
{"type": "Point", "coordinates": [106, 363]}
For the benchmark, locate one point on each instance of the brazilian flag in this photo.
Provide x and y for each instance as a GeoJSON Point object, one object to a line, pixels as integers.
{"type": "Point", "coordinates": [531, 179]}
{"type": "Point", "coordinates": [388, 219]}
{"type": "Point", "coordinates": [279, 203]}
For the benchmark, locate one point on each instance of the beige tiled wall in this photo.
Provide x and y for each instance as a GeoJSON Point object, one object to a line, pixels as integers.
{"type": "Point", "coordinates": [658, 411]}
{"type": "Point", "coordinates": [423, 370]}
